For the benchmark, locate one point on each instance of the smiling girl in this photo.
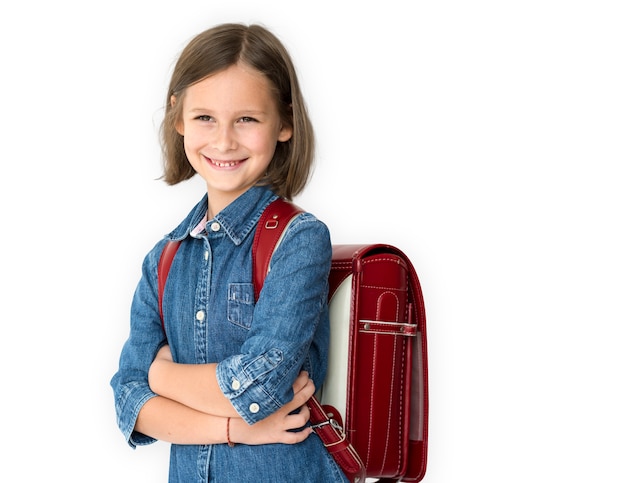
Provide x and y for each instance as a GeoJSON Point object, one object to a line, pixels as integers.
{"type": "Point", "coordinates": [227, 386]}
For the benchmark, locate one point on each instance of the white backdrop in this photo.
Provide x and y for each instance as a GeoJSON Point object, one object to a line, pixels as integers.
{"type": "Point", "coordinates": [485, 139]}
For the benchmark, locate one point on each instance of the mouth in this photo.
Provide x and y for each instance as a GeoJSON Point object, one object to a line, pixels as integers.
{"type": "Point", "coordinates": [220, 163]}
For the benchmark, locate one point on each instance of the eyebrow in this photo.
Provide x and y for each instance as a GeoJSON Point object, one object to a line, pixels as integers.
{"type": "Point", "coordinates": [236, 113]}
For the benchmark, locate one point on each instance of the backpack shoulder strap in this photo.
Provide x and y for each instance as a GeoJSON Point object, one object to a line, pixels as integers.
{"type": "Point", "coordinates": [163, 268]}
{"type": "Point", "coordinates": [269, 232]}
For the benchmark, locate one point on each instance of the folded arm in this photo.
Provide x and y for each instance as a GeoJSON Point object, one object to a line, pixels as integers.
{"type": "Point", "coordinates": [194, 385]}
{"type": "Point", "coordinates": [172, 421]}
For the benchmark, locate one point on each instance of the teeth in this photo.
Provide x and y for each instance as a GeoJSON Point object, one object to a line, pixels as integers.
{"type": "Point", "coordinates": [225, 165]}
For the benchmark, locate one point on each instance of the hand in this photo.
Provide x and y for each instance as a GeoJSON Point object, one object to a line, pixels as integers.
{"type": "Point", "coordinates": [278, 427]}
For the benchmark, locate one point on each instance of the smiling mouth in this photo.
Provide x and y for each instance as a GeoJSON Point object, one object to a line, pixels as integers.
{"type": "Point", "coordinates": [224, 164]}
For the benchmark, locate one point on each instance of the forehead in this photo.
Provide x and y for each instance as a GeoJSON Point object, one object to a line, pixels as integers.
{"type": "Point", "coordinates": [236, 86]}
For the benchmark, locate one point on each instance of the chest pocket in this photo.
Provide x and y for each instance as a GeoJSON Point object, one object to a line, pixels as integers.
{"type": "Point", "coordinates": [240, 304]}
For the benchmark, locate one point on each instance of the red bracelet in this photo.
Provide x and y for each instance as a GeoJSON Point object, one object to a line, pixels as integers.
{"type": "Point", "coordinates": [230, 443]}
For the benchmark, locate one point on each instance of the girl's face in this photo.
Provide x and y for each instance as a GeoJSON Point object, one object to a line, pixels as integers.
{"type": "Point", "coordinates": [230, 124]}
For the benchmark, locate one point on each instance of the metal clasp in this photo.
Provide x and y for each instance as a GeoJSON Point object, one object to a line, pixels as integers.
{"type": "Point", "coordinates": [272, 224]}
{"type": "Point", "coordinates": [334, 423]}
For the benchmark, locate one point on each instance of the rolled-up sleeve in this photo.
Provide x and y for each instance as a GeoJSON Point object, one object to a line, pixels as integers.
{"type": "Point", "coordinates": [130, 383]}
{"type": "Point", "coordinates": [130, 398]}
{"type": "Point", "coordinates": [290, 327]}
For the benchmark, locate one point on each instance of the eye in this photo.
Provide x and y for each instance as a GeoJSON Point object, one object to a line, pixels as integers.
{"type": "Point", "coordinates": [247, 119]}
{"type": "Point", "coordinates": [204, 117]}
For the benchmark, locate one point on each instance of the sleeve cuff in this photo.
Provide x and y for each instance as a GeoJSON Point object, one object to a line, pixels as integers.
{"type": "Point", "coordinates": [242, 385]}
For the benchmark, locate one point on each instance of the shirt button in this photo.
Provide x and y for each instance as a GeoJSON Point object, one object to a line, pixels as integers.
{"type": "Point", "coordinates": [200, 315]}
{"type": "Point", "coordinates": [254, 408]}
{"type": "Point", "coordinates": [235, 385]}
{"type": "Point", "coordinates": [206, 255]}
{"type": "Point", "coordinates": [215, 226]}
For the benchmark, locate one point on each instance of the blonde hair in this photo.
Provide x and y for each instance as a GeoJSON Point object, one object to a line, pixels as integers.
{"type": "Point", "coordinates": [217, 49]}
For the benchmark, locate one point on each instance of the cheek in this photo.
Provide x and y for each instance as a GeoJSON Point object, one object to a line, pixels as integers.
{"type": "Point", "coordinates": [191, 147]}
{"type": "Point", "coordinates": [191, 140]}
{"type": "Point", "coordinates": [186, 144]}
{"type": "Point", "coordinates": [263, 142]}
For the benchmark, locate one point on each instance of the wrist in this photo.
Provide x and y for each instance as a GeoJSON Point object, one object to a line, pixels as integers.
{"type": "Point", "coordinates": [229, 434]}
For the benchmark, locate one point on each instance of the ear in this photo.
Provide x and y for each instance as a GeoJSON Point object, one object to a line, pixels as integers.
{"type": "Point", "coordinates": [285, 133]}
{"type": "Point", "coordinates": [180, 125]}
{"type": "Point", "coordinates": [286, 129]}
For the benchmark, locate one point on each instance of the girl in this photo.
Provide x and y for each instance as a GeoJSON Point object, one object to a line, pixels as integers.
{"type": "Point", "coordinates": [227, 387]}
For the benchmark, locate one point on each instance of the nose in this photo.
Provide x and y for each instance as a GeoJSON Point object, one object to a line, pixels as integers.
{"type": "Point", "coordinates": [225, 139]}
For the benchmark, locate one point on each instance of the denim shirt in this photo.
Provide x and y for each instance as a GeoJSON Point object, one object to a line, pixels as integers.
{"type": "Point", "coordinates": [211, 317]}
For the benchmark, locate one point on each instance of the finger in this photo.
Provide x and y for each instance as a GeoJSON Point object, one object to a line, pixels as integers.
{"type": "Point", "coordinates": [304, 412]}
{"type": "Point", "coordinates": [305, 393]}
{"type": "Point", "coordinates": [300, 381]}
{"type": "Point", "coordinates": [300, 398]}
{"type": "Point", "coordinates": [294, 437]}
{"type": "Point", "coordinates": [298, 419]}
{"type": "Point", "coordinates": [292, 405]}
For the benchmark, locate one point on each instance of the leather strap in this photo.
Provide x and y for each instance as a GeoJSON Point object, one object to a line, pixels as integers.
{"type": "Point", "coordinates": [331, 433]}
{"type": "Point", "coordinates": [270, 229]}
{"type": "Point", "coordinates": [163, 269]}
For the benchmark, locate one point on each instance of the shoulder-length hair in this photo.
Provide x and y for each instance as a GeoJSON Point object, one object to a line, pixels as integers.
{"type": "Point", "coordinates": [217, 49]}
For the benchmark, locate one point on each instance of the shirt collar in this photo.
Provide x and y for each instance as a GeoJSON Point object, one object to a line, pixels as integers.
{"type": "Point", "coordinates": [238, 219]}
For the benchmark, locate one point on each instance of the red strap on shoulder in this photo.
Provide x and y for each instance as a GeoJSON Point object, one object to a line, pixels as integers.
{"type": "Point", "coordinates": [270, 228]}
{"type": "Point", "coordinates": [165, 262]}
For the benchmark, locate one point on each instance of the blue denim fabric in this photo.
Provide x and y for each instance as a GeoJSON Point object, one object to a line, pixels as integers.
{"type": "Point", "coordinates": [211, 316]}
